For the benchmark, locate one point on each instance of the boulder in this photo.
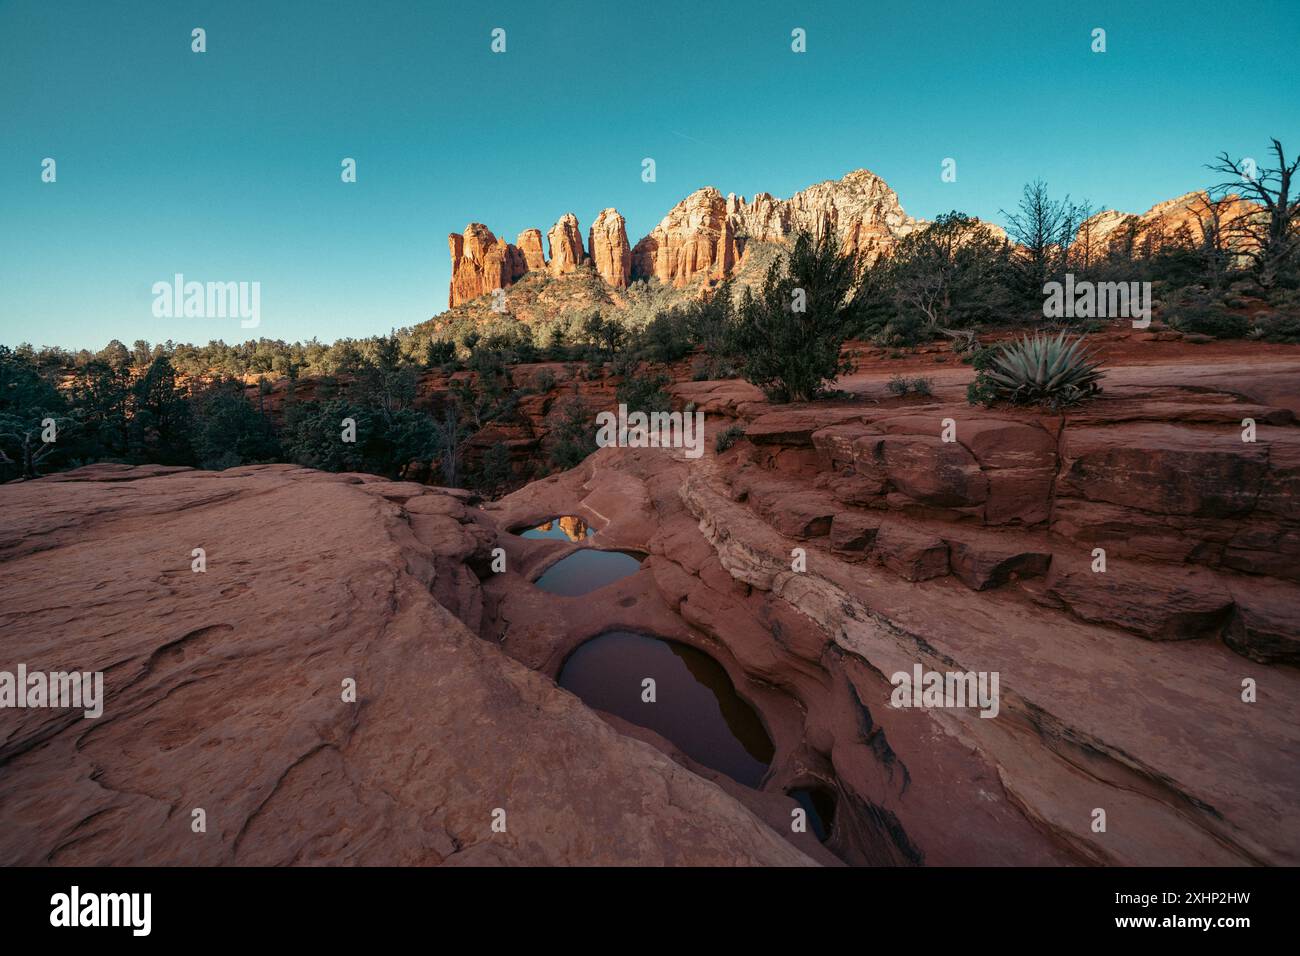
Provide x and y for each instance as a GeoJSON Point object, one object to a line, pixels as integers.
{"type": "Point", "coordinates": [915, 555]}
{"type": "Point", "coordinates": [1158, 603]}
{"type": "Point", "coordinates": [989, 562]}
{"type": "Point", "coordinates": [854, 531]}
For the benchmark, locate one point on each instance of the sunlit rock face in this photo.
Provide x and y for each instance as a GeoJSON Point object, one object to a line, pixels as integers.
{"type": "Point", "coordinates": [610, 253]}
{"type": "Point", "coordinates": [704, 235]}
{"type": "Point", "coordinates": [481, 263]}
{"type": "Point", "coordinates": [565, 239]}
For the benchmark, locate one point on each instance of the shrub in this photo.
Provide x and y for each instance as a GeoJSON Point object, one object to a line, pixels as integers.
{"type": "Point", "coordinates": [1052, 371]}
{"type": "Point", "coordinates": [1277, 327]}
{"type": "Point", "coordinates": [572, 434]}
{"type": "Point", "coordinates": [901, 385]}
{"type": "Point", "coordinates": [789, 335]}
{"type": "Point", "coordinates": [1207, 317]}
{"type": "Point", "coordinates": [728, 437]}
{"type": "Point", "coordinates": [437, 354]}
{"type": "Point", "coordinates": [903, 330]}
{"type": "Point", "coordinates": [644, 393]}
{"type": "Point", "coordinates": [666, 338]}
{"type": "Point", "coordinates": [963, 340]}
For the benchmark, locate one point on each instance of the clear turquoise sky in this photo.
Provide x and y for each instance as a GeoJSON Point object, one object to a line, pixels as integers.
{"type": "Point", "coordinates": [225, 165]}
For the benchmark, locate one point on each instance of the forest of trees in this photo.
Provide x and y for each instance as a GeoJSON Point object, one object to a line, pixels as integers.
{"type": "Point", "coordinates": [1235, 272]}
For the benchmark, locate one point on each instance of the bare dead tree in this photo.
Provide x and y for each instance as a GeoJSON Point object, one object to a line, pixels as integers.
{"type": "Point", "coordinates": [1085, 247]}
{"type": "Point", "coordinates": [1214, 246]}
{"type": "Point", "coordinates": [25, 437]}
{"type": "Point", "coordinates": [1044, 229]}
{"type": "Point", "coordinates": [1273, 230]}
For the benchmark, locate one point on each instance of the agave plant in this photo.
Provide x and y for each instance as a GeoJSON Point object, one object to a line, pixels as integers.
{"type": "Point", "coordinates": [1043, 370]}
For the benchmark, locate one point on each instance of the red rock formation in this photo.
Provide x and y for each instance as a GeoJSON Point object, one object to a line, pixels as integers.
{"type": "Point", "coordinates": [224, 690]}
{"type": "Point", "coordinates": [861, 208]}
{"type": "Point", "coordinates": [530, 245]}
{"type": "Point", "coordinates": [695, 238]}
{"type": "Point", "coordinates": [480, 263]}
{"type": "Point", "coordinates": [565, 239]}
{"type": "Point", "coordinates": [705, 234]}
{"type": "Point", "coordinates": [951, 558]}
{"type": "Point", "coordinates": [1179, 219]}
{"type": "Point", "coordinates": [607, 243]}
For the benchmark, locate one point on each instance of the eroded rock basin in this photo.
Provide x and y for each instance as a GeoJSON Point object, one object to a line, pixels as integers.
{"type": "Point", "coordinates": [695, 704]}
{"type": "Point", "coordinates": [587, 570]}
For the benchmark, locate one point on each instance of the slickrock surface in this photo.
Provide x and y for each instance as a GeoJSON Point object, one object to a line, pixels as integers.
{"type": "Point", "coordinates": [223, 689]}
{"type": "Point", "coordinates": [1120, 691]}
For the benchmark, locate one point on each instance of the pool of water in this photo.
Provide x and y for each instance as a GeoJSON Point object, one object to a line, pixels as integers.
{"type": "Point", "coordinates": [696, 706]}
{"type": "Point", "coordinates": [565, 528]}
{"type": "Point", "coordinates": [586, 570]}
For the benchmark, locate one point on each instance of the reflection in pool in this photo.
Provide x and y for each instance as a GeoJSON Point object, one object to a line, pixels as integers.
{"type": "Point", "coordinates": [696, 706]}
{"type": "Point", "coordinates": [586, 570]}
{"type": "Point", "coordinates": [565, 528]}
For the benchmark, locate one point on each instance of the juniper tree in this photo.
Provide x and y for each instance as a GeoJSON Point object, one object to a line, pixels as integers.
{"type": "Point", "coordinates": [789, 335]}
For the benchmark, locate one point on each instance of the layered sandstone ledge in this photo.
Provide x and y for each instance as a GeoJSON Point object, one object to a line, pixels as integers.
{"type": "Point", "coordinates": [224, 690]}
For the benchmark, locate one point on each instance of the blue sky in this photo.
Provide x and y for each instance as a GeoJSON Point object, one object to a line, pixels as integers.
{"type": "Point", "coordinates": [225, 165]}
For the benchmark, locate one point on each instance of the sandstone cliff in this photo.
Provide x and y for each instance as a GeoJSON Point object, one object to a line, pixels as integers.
{"type": "Point", "coordinates": [1184, 217]}
{"type": "Point", "coordinates": [705, 235]}
{"type": "Point", "coordinates": [530, 244]}
{"type": "Point", "coordinates": [696, 238]}
{"type": "Point", "coordinates": [480, 263]}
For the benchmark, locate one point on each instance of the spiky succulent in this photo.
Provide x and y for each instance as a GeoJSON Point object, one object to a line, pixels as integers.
{"type": "Point", "coordinates": [1042, 370]}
